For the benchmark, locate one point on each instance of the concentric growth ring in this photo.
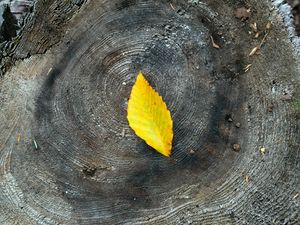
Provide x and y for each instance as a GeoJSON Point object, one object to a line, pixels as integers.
{"type": "Point", "coordinates": [81, 110]}
{"type": "Point", "coordinates": [68, 156]}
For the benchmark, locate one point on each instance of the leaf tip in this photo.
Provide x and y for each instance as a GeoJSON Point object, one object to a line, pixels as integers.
{"type": "Point", "coordinates": [140, 76]}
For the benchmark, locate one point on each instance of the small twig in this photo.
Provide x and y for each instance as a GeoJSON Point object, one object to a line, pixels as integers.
{"type": "Point", "coordinates": [263, 40]}
{"type": "Point", "coordinates": [295, 196]}
{"type": "Point", "coordinates": [18, 138]}
{"type": "Point", "coordinates": [50, 70]}
{"type": "Point", "coordinates": [247, 68]}
{"type": "Point", "coordinates": [172, 6]}
{"type": "Point", "coordinates": [253, 51]}
{"type": "Point", "coordinates": [35, 144]}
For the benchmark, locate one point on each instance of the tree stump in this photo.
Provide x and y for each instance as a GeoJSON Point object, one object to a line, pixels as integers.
{"type": "Point", "coordinates": [231, 82]}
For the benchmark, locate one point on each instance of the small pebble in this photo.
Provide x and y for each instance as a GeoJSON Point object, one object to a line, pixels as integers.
{"type": "Point", "coordinates": [236, 147]}
{"type": "Point", "coordinates": [228, 117]}
{"type": "Point", "coordinates": [238, 125]}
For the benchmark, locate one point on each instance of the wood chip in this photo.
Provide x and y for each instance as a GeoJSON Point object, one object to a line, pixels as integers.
{"type": "Point", "coordinates": [254, 27]}
{"type": "Point", "coordinates": [172, 6]}
{"type": "Point", "coordinates": [49, 71]}
{"type": "Point", "coordinates": [247, 179]}
{"type": "Point", "coordinates": [253, 51]}
{"type": "Point", "coordinates": [296, 196]}
{"type": "Point", "coordinates": [236, 147]}
{"type": "Point", "coordinates": [214, 43]}
{"type": "Point", "coordinates": [246, 69]}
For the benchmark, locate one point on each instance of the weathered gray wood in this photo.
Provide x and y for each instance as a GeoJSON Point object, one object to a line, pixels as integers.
{"type": "Point", "coordinates": [67, 155]}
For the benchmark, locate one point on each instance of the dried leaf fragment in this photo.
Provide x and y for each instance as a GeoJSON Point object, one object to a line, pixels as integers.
{"type": "Point", "coordinates": [262, 151]}
{"type": "Point", "coordinates": [254, 27]}
{"type": "Point", "coordinates": [269, 25]}
{"type": "Point", "coordinates": [214, 43]}
{"type": "Point", "coordinates": [236, 147]}
{"type": "Point", "coordinates": [253, 51]}
{"type": "Point", "coordinates": [149, 117]}
{"type": "Point", "coordinates": [247, 179]}
{"type": "Point", "coordinates": [247, 68]}
{"type": "Point", "coordinates": [172, 6]}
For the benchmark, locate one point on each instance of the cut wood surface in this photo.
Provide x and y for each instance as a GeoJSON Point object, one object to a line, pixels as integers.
{"type": "Point", "coordinates": [68, 155]}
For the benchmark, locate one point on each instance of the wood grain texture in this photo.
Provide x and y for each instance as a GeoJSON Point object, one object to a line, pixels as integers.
{"type": "Point", "coordinates": [68, 156]}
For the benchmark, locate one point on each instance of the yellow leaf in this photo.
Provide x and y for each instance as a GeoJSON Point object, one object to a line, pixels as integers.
{"type": "Point", "coordinates": [149, 117]}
